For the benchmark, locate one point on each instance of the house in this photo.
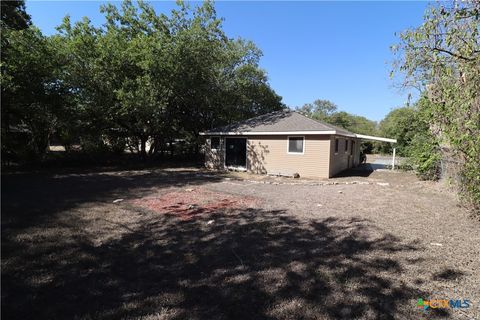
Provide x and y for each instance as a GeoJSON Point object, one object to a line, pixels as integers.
{"type": "Point", "coordinates": [283, 142]}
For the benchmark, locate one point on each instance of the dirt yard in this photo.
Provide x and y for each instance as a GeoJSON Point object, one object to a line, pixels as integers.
{"type": "Point", "coordinates": [190, 244]}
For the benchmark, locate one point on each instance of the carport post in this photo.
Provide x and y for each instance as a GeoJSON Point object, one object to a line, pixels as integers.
{"type": "Point", "coordinates": [393, 159]}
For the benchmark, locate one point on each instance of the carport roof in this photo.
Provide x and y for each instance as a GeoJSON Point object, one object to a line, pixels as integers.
{"type": "Point", "coordinates": [280, 122]}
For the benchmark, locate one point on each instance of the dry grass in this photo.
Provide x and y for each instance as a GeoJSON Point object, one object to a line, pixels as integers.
{"type": "Point", "coordinates": [186, 244]}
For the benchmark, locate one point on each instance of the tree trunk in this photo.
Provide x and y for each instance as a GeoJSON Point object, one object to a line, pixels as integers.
{"type": "Point", "coordinates": [171, 149]}
{"type": "Point", "coordinates": [40, 142]}
{"type": "Point", "coordinates": [143, 148]}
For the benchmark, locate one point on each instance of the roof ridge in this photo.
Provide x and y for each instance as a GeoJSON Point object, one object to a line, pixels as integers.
{"type": "Point", "coordinates": [334, 127]}
{"type": "Point", "coordinates": [285, 120]}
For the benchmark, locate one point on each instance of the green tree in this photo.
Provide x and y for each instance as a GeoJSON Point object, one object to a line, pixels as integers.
{"type": "Point", "coordinates": [442, 59]}
{"type": "Point", "coordinates": [327, 111]}
{"type": "Point", "coordinates": [141, 80]}
{"type": "Point", "coordinates": [356, 124]}
{"type": "Point", "coordinates": [146, 79]}
{"type": "Point", "coordinates": [31, 93]}
{"type": "Point", "coordinates": [14, 15]}
{"type": "Point", "coordinates": [319, 109]}
{"type": "Point", "coordinates": [423, 148]}
{"type": "Point", "coordinates": [400, 124]}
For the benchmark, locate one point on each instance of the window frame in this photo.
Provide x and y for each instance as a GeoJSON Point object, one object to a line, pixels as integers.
{"type": "Point", "coordinates": [219, 143]}
{"type": "Point", "coordinates": [337, 143]}
{"type": "Point", "coordinates": [303, 145]}
{"type": "Point", "coordinates": [346, 145]}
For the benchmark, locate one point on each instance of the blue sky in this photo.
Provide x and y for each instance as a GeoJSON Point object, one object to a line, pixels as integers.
{"type": "Point", "coordinates": [338, 51]}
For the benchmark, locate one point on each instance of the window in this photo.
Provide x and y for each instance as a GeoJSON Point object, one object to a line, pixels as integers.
{"type": "Point", "coordinates": [295, 144]}
{"type": "Point", "coordinates": [346, 146]}
{"type": "Point", "coordinates": [336, 145]}
{"type": "Point", "coordinates": [215, 143]}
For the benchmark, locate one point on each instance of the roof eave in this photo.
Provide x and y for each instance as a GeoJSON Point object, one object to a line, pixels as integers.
{"type": "Point", "coordinates": [277, 133]}
{"type": "Point", "coordinates": [363, 136]}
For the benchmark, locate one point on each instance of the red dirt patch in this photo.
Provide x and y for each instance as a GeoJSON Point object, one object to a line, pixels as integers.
{"type": "Point", "coordinates": [190, 203]}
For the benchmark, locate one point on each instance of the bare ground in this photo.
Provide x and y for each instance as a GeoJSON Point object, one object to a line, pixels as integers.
{"type": "Point", "coordinates": [189, 244]}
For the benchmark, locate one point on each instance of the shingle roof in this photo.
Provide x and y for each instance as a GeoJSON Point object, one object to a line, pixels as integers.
{"type": "Point", "coordinates": [279, 121]}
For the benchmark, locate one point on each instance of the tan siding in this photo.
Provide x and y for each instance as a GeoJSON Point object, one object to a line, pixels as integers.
{"type": "Point", "coordinates": [343, 160]}
{"type": "Point", "coordinates": [269, 154]}
{"type": "Point", "coordinates": [356, 153]}
{"type": "Point", "coordinates": [214, 159]}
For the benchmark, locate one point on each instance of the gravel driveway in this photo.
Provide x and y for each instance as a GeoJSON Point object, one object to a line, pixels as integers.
{"type": "Point", "coordinates": [117, 244]}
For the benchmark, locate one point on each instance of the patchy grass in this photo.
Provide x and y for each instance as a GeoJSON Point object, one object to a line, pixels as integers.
{"type": "Point", "coordinates": [188, 244]}
{"type": "Point", "coordinates": [191, 203]}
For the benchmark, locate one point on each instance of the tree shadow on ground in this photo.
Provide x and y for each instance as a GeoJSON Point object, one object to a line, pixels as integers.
{"type": "Point", "coordinates": [240, 264]}
{"type": "Point", "coordinates": [362, 170]}
{"type": "Point", "coordinates": [28, 198]}
{"type": "Point", "coordinates": [447, 274]}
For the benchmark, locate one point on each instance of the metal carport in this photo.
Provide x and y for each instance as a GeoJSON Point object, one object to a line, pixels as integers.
{"type": "Point", "coordinates": [373, 138]}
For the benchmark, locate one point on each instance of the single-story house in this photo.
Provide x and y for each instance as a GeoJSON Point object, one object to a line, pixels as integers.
{"type": "Point", "coordinates": [283, 142]}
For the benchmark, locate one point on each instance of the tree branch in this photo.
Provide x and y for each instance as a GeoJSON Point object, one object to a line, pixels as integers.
{"type": "Point", "coordinates": [453, 54]}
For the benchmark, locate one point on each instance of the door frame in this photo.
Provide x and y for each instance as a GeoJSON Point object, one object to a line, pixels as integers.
{"type": "Point", "coordinates": [225, 153]}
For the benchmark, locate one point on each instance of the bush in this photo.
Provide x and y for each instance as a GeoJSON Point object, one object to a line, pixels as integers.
{"type": "Point", "coordinates": [425, 156]}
